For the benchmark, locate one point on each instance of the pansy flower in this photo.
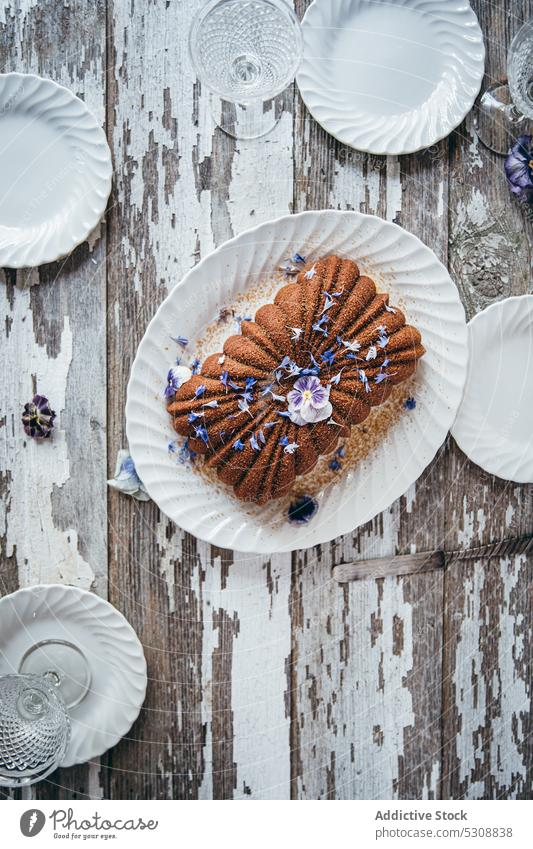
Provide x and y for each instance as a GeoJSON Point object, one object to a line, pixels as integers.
{"type": "Point", "coordinates": [519, 168]}
{"type": "Point", "coordinates": [309, 401]}
{"type": "Point", "coordinates": [38, 418]}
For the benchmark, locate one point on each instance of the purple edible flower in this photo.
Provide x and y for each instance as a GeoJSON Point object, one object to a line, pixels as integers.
{"type": "Point", "coordinates": [519, 168]}
{"type": "Point", "coordinates": [193, 417]}
{"type": "Point", "coordinates": [328, 357]}
{"type": "Point", "coordinates": [309, 401]}
{"type": "Point", "coordinates": [238, 445]}
{"type": "Point", "coordinates": [224, 377]}
{"type": "Point", "coordinates": [186, 453]}
{"type": "Point", "coordinates": [335, 465]}
{"type": "Point", "coordinates": [201, 433]}
{"type": "Point", "coordinates": [254, 443]}
{"type": "Point", "coordinates": [335, 380]}
{"type": "Point", "coordinates": [409, 403]}
{"type": "Point", "coordinates": [38, 418]}
{"type": "Point", "coordinates": [328, 302]}
{"type": "Point", "coordinates": [317, 326]}
{"type": "Point", "coordinates": [302, 510]}
{"type": "Point", "coordinates": [180, 340]}
{"type": "Point", "coordinates": [173, 383]}
{"type": "Point", "coordinates": [195, 366]}
{"type": "Point", "coordinates": [200, 390]}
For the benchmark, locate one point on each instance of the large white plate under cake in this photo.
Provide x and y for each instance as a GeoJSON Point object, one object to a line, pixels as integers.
{"type": "Point", "coordinates": [390, 77]}
{"type": "Point", "coordinates": [494, 426]}
{"type": "Point", "coordinates": [56, 171]}
{"type": "Point", "coordinates": [416, 281]}
{"type": "Point", "coordinates": [111, 646]}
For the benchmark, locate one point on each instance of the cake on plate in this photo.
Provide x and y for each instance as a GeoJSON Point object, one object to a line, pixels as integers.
{"type": "Point", "coordinates": [310, 366]}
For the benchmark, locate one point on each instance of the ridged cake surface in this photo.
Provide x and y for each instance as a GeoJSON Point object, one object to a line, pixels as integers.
{"type": "Point", "coordinates": [310, 366]}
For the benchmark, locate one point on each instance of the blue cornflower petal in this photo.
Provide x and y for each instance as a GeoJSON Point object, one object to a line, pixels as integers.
{"type": "Point", "coordinates": [180, 340]}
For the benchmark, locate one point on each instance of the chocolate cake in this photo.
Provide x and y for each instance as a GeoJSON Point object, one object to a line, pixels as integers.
{"type": "Point", "coordinates": [309, 367]}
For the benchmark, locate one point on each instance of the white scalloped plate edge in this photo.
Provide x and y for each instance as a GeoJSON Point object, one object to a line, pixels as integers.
{"type": "Point", "coordinates": [494, 453]}
{"type": "Point", "coordinates": [88, 741]}
{"type": "Point", "coordinates": [409, 270]}
{"type": "Point", "coordinates": [43, 244]}
{"type": "Point", "coordinates": [409, 131]}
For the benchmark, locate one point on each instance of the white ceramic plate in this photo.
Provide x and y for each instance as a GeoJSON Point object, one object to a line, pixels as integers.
{"type": "Point", "coordinates": [56, 171]}
{"type": "Point", "coordinates": [494, 426]}
{"type": "Point", "coordinates": [390, 76]}
{"type": "Point", "coordinates": [110, 644]}
{"type": "Point", "coordinates": [400, 264]}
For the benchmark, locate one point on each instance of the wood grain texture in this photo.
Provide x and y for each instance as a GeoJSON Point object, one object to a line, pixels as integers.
{"type": "Point", "coordinates": [215, 624]}
{"type": "Point", "coordinates": [53, 506]}
{"type": "Point", "coordinates": [487, 731]}
{"type": "Point", "coordinates": [366, 656]}
{"type": "Point", "coordinates": [267, 679]}
{"type": "Point", "coordinates": [386, 567]}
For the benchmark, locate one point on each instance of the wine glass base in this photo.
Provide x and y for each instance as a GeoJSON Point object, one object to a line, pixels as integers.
{"type": "Point", "coordinates": [245, 121]}
{"type": "Point", "coordinates": [63, 664]}
{"type": "Point", "coordinates": [497, 122]}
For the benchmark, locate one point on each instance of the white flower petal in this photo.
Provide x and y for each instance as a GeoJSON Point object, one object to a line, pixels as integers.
{"type": "Point", "coordinates": [314, 415]}
{"type": "Point", "coordinates": [296, 418]}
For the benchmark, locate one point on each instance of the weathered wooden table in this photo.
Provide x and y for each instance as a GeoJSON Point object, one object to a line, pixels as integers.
{"type": "Point", "coordinates": [267, 678]}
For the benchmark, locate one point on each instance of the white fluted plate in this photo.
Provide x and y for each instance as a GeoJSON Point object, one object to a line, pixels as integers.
{"type": "Point", "coordinates": [56, 171]}
{"type": "Point", "coordinates": [112, 649]}
{"type": "Point", "coordinates": [401, 265]}
{"type": "Point", "coordinates": [390, 76]}
{"type": "Point", "coordinates": [494, 426]}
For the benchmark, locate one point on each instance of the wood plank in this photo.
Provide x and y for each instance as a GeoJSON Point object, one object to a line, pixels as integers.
{"type": "Point", "coordinates": [428, 561]}
{"type": "Point", "coordinates": [385, 567]}
{"type": "Point", "coordinates": [366, 656]}
{"type": "Point", "coordinates": [487, 713]}
{"type": "Point", "coordinates": [215, 625]}
{"type": "Point", "coordinates": [53, 506]}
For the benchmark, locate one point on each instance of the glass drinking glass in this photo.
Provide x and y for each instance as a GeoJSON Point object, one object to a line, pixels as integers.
{"type": "Point", "coordinates": [64, 664]}
{"type": "Point", "coordinates": [34, 729]}
{"type": "Point", "coordinates": [245, 52]}
{"type": "Point", "coordinates": [505, 110]}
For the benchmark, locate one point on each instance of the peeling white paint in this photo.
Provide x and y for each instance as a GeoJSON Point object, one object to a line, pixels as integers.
{"type": "Point", "coordinates": [394, 188]}
{"type": "Point", "coordinates": [32, 470]}
{"type": "Point", "coordinates": [507, 692]}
